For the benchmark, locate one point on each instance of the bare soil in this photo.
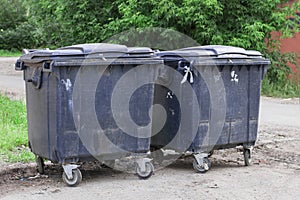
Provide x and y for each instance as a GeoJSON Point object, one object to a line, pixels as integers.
{"type": "Point", "coordinates": [274, 174]}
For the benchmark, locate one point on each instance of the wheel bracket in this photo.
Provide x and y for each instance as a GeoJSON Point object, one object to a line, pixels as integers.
{"type": "Point", "coordinates": [141, 162]}
{"type": "Point", "coordinates": [68, 169]}
{"type": "Point", "coordinates": [199, 158]}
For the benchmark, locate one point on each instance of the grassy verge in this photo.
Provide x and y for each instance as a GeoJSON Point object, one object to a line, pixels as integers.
{"type": "Point", "coordinates": [288, 89]}
{"type": "Point", "coordinates": [5, 53]}
{"type": "Point", "coordinates": [13, 131]}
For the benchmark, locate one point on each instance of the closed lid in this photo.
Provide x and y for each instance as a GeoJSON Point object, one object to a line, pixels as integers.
{"type": "Point", "coordinates": [92, 50]}
{"type": "Point", "coordinates": [133, 50]}
{"type": "Point", "coordinates": [212, 50]}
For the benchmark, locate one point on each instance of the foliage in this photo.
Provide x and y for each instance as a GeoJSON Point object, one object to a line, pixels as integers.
{"type": "Point", "coordinates": [61, 23]}
{"type": "Point", "coordinates": [18, 38]}
{"type": "Point", "coordinates": [278, 81]}
{"type": "Point", "coordinates": [237, 23]}
{"type": "Point", "coordinates": [12, 14]}
{"type": "Point", "coordinates": [285, 89]}
{"type": "Point", "coordinates": [15, 31]}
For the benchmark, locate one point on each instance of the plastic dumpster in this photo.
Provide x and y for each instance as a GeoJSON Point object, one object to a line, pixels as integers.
{"type": "Point", "coordinates": [223, 108]}
{"type": "Point", "coordinates": [75, 97]}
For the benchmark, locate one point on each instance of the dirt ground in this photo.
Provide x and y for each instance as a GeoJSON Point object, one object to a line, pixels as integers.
{"type": "Point", "coordinates": [274, 174]}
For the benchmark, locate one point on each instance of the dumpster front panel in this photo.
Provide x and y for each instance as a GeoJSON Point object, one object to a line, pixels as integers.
{"type": "Point", "coordinates": [51, 77]}
{"type": "Point", "coordinates": [139, 106]}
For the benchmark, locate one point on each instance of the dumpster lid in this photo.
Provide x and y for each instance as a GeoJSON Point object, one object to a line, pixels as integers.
{"type": "Point", "coordinates": [140, 52]}
{"type": "Point", "coordinates": [78, 50]}
{"type": "Point", "coordinates": [219, 51]}
{"type": "Point", "coordinates": [133, 50]}
{"type": "Point", "coordinates": [91, 50]}
{"type": "Point", "coordinates": [227, 50]}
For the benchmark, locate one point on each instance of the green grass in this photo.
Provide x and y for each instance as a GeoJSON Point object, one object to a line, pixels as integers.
{"type": "Point", "coordinates": [13, 131]}
{"type": "Point", "coordinates": [6, 53]}
{"type": "Point", "coordinates": [288, 89]}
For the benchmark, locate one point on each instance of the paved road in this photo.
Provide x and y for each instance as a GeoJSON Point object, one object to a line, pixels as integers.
{"type": "Point", "coordinates": [280, 112]}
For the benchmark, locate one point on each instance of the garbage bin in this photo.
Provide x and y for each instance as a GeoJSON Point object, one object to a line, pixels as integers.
{"type": "Point", "coordinates": [226, 83]}
{"type": "Point", "coordinates": [75, 97]}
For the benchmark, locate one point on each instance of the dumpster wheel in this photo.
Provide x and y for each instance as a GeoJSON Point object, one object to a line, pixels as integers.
{"type": "Point", "coordinates": [202, 168]}
{"type": "Point", "coordinates": [75, 180]}
{"type": "Point", "coordinates": [149, 168]}
{"type": "Point", "coordinates": [247, 157]}
{"type": "Point", "coordinates": [40, 164]}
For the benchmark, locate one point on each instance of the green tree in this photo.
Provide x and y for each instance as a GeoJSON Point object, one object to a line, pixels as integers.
{"type": "Point", "coordinates": [15, 31]}
{"type": "Point", "coordinates": [61, 23]}
{"type": "Point", "coordinates": [12, 14]}
{"type": "Point", "coordinates": [243, 23]}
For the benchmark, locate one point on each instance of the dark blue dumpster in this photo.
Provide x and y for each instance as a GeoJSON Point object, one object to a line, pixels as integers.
{"type": "Point", "coordinates": [76, 105]}
{"type": "Point", "coordinates": [226, 82]}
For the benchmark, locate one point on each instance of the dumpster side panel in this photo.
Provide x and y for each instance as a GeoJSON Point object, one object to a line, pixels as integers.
{"type": "Point", "coordinates": [254, 104]}
{"type": "Point", "coordinates": [37, 112]}
{"type": "Point", "coordinates": [52, 113]}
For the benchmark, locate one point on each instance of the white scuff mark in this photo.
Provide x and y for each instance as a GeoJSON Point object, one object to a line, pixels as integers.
{"type": "Point", "coordinates": [172, 111]}
{"type": "Point", "coordinates": [234, 77]}
{"type": "Point", "coordinates": [187, 71]}
{"type": "Point", "coordinates": [217, 77]}
{"type": "Point", "coordinates": [169, 95]}
{"type": "Point", "coordinates": [70, 104]}
{"type": "Point", "coordinates": [67, 84]}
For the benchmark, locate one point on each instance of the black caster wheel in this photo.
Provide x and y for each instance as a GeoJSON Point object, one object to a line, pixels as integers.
{"type": "Point", "coordinates": [247, 157]}
{"type": "Point", "coordinates": [204, 168]}
{"type": "Point", "coordinates": [77, 177]}
{"type": "Point", "coordinates": [40, 164]}
{"type": "Point", "coordinates": [146, 174]}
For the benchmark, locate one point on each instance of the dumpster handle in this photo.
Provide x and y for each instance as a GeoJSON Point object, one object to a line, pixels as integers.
{"type": "Point", "coordinates": [19, 66]}
{"type": "Point", "coordinates": [48, 67]}
{"type": "Point", "coordinates": [187, 70]}
{"type": "Point", "coordinates": [36, 78]}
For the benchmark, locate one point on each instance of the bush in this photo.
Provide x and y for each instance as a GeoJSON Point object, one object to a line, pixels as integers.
{"type": "Point", "coordinates": [16, 39]}
{"type": "Point", "coordinates": [279, 81]}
